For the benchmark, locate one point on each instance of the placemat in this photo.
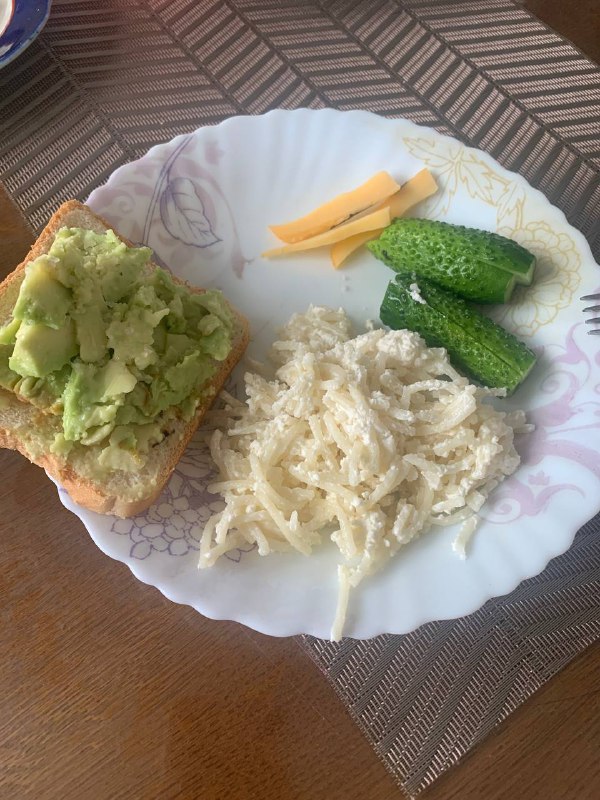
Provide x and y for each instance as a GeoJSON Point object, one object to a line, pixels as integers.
{"type": "Point", "coordinates": [104, 82]}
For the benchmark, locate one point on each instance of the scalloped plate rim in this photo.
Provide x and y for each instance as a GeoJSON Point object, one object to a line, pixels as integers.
{"type": "Point", "coordinates": [155, 151]}
{"type": "Point", "coordinates": [271, 626]}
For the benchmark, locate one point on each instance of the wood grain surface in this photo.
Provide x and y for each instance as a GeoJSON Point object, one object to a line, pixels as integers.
{"type": "Point", "coordinates": [110, 691]}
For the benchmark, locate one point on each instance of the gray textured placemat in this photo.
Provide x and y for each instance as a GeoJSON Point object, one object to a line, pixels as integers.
{"type": "Point", "coordinates": [104, 82]}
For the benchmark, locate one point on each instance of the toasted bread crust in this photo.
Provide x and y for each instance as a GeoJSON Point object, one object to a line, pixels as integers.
{"type": "Point", "coordinates": [93, 494]}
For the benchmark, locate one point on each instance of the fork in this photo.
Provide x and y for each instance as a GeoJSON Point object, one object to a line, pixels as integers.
{"type": "Point", "coordinates": [592, 321]}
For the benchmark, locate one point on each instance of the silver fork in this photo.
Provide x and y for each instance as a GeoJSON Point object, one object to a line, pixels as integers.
{"type": "Point", "coordinates": [594, 320]}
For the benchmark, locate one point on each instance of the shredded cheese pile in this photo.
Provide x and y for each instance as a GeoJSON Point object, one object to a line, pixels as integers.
{"type": "Point", "coordinates": [371, 439]}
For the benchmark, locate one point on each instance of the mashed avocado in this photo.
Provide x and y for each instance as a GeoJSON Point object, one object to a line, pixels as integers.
{"type": "Point", "coordinates": [113, 349]}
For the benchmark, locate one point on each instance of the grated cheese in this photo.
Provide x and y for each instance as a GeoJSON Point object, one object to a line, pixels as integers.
{"type": "Point", "coordinates": [373, 438]}
{"type": "Point", "coordinates": [416, 295]}
{"type": "Point", "coordinates": [464, 535]}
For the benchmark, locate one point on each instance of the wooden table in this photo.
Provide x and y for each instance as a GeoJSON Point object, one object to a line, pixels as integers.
{"type": "Point", "coordinates": [110, 691]}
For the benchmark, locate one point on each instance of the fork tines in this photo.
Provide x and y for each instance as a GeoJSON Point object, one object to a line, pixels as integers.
{"type": "Point", "coordinates": [594, 320]}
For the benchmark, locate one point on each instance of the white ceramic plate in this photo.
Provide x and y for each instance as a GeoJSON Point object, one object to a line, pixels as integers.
{"type": "Point", "coordinates": [203, 203]}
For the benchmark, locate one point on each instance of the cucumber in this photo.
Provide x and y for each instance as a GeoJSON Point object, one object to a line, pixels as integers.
{"type": "Point", "coordinates": [475, 344]}
{"type": "Point", "coordinates": [474, 264]}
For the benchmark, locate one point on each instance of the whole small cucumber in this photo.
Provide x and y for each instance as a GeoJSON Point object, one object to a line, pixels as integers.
{"type": "Point", "coordinates": [475, 344]}
{"type": "Point", "coordinates": [474, 264]}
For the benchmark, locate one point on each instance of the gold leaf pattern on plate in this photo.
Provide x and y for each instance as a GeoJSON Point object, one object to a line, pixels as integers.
{"type": "Point", "coordinates": [558, 261]}
{"type": "Point", "coordinates": [455, 165]}
{"type": "Point", "coordinates": [510, 207]}
{"type": "Point", "coordinates": [557, 277]}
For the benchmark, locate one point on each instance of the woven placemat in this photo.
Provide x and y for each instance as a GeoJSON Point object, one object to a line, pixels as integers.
{"type": "Point", "coordinates": [104, 82]}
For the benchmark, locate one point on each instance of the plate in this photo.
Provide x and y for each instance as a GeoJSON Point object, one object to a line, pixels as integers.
{"type": "Point", "coordinates": [203, 203]}
{"type": "Point", "coordinates": [20, 23]}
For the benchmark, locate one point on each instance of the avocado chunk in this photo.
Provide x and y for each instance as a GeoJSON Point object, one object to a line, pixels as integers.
{"type": "Point", "coordinates": [40, 350]}
{"type": "Point", "coordinates": [8, 333]}
{"type": "Point", "coordinates": [8, 377]}
{"type": "Point", "coordinates": [93, 396]}
{"type": "Point", "coordinates": [42, 298]}
{"type": "Point", "coordinates": [176, 346]}
{"type": "Point", "coordinates": [91, 334]}
{"type": "Point", "coordinates": [113, 380]}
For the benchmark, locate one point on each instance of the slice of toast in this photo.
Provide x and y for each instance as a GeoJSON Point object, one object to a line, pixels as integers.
{"type": "Point", "coordinates": [29, 430]}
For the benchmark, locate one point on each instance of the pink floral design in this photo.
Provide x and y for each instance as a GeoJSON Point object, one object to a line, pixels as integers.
{"type": "Point", "coordinates": [189, 207]}
{"type": "Point", "coordinates": [212, 152]}
{"type": "Point", "coordinates": [567, 388]}
{"type": "Point", "coordinates": [539, 479]}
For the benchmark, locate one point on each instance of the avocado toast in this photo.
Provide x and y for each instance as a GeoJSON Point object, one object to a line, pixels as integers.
{"type": "Point", "coordinates": [107, 363]}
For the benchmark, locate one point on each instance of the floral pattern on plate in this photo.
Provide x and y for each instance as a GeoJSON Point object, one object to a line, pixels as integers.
{"type": "Point", "coordinates": [203, 202]}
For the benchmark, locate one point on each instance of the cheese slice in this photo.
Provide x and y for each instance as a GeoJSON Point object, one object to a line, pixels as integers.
{"type": "Point", "coordinates": [340, 251]}
{"type": "Point", "coordinates": [375, 221]}
{"type": "Point", "coordinates": [416, 189]}
{"type": "Point", "coordinates": [374, 191]}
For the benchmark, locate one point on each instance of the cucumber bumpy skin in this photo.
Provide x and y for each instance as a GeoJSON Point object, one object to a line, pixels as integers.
{"type": "Point", "coordinates": [474, 264]}
{"type": "Point", "coordinates": [475, 344]}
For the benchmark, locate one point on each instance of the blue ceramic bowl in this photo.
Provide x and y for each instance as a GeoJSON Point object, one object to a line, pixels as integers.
{"type": "Point", "coordinates": [20, 23]}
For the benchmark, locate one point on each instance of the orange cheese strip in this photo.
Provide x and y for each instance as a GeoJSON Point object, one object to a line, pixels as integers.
{"type": "Point", "coordinates": [374, 191]}
{"type": "Point", "coordinates": [418, 188]}
{"type": "Point", "coordinates": [341, 250]}
{"type": "Point", "coordinates": [371, 222]}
